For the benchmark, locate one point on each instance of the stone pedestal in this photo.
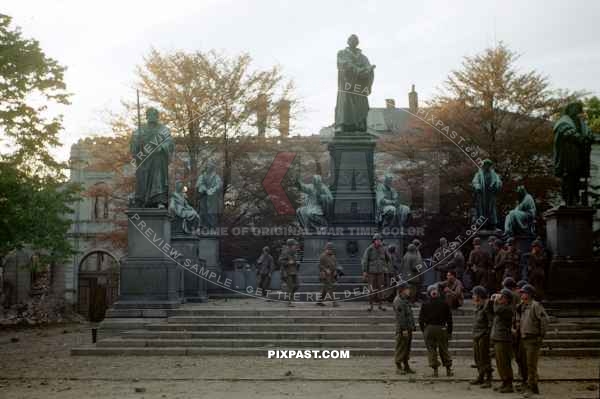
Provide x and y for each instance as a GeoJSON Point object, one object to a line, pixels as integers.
{"type": "Point", "coordinates": [149, 277]}
{"type": "Point", "coordinates": [353, 186]}
{"type": "Point", "coordinates": [208, 249]}
{"type": "Point", "coordinates": [194, 286]}
{"type": "Point", "coordinates": [573, 271]}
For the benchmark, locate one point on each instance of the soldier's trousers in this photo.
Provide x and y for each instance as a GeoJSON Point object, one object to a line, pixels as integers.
{"type": "Point", "coordinates": [292, 285]}
{"type": "Point", "coordinates": [481, 353]}
{"type": "Point", "coordinates": [327, 290]}
{"type": "Point", "coordinates": [520, 357]}
{"type": "Point", "coordinates": [376, 286]}
{"type": "Point", "coordinates": [264, 283]}
{"type": "Point", "coordinates": [436, 339]}
{"type": "Point", "coordinates": [503, 351]}
{"type": "Point", "coordinates": [531, 348]}
{"type": "Point", "coordinates": [402, 351]}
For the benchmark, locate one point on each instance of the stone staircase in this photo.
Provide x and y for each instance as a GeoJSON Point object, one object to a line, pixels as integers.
{"type": "Point", "coordinates": [253, 327]}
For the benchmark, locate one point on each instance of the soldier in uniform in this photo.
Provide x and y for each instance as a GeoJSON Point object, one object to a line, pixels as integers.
{"type": "Point", "coordinates": [500, 253]}
{"type": "Point", "coordinates": [501, 336]}
{"type": "Point", "coordinates": [453, 290]}
{"type": "Point", "coordinates": [265, 265]}
{"type": "Point", "coordinates": [511, 261]}
{"type": "Point", "coordinates": [327, 272]}
{"type": "Point", "coordinates": [405, 325]}
{"type": "Point", "coordinates": [435, 321]}
{"type": "Point", "coordinates": [480, 263]}
{"type": "Point", "coordinates": [410, 270]}
{"type": "Point", "coordinates": [482, 326]}
{"type": "Point", "coordinates": [289, 263]}
{"type": "Point", "coordinates": [532, 327]}
{"type": "Point", "coordinates": [536, 268]}
{"type": "Point", "coordinates": [374, 264]}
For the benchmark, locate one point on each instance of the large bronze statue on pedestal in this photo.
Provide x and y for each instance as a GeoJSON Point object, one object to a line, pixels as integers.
{"type": "Point", "coordinates": [572, 147]}
{"type": "Point", "coordinates": [355, 78]}
{"type": "Point", "coordinates": [317, 206]}
{"type": "Point", "coordinates": [185, 215]}
{"type": "Point", "coordinates": [151, 146]}
{"type": "Point", "coordinates": [521, 220]}
{"type": "Point", "coordinates": [487, 185]}
{"type": "Point", "coordinates": [390, 211]}
{"type": "Point", "coordinates": [209, 186]}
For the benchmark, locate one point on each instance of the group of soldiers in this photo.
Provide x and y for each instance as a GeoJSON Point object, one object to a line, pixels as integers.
{"type": "Point", "coordinates": [490, 267]}
{"type": "Point", "coordinates": [508, 324]}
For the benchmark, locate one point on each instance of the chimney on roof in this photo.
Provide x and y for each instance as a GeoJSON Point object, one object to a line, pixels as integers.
{"type": "Point", "coordinates": [261, 114]}
{"type": "Point", "coordinates": [284, 118]}
{"type": "Point", "coordinates": [413, 100]}
{"type": "Point", "coordinates": [390, 103]}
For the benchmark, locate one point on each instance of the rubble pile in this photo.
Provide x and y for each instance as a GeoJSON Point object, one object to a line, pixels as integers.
{"type": "Point", "coordinates": [42, 309]}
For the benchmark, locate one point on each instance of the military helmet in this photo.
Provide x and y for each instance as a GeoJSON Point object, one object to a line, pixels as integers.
{"type": "Point", "coordinates": [528, 289]}
{"type": "Point", "coordinates": [509, 283]}
{"type": "Point", "coordinates": [480, 291]}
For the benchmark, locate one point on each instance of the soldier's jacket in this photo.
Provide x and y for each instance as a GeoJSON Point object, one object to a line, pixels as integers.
{"type": "Point", "coordinates": [327, 264]}
{"type": "Point", "coordinates": [375, 260]}
{"type": "Point", "coordinates": [498, 259]}
{"type": "Point", "coordinates": [480, 259]}
{"type": "Point", "coordinates": [288, 261]}
{"type": "Point", "coordinates": [483, 318]}
{"type": "Point", "coordinates": [534, 320]}
{"type": "Point", "coordinates": [510, 263]}
{"type": "Point", "coordinates": [265, 264]}
{"type": "Point", "coordinates": [503, 319]}
{"type": "Point", "coordinates": [404, 314]}
{"type": "Point", "coordinates": [536, 268]}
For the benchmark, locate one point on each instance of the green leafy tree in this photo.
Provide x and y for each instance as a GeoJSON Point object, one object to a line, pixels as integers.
{"type": "Point", "coordinates": [34, 195]}
{"type": "Point", "coordinates": [592, 109]}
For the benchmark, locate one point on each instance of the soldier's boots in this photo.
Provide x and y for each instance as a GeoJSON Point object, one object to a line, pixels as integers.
{"type": "Point", "coordinates": [449, 372]}
{"type": "Point", "coordinates": [382, 308]}
{"type": "Point", "coordinates": [320, 304]}
{"type": "Point", "coordinates": [488, 381]}
{"type": "Point", "coordinates": [534, 389]}
{"type": "Point", "coordinates": [478, 380]}
{"type": "Point", "coordinates": [407, 369]}
{"type": "Point", "coordinates": [506, 388]}
{"type": "Point", "coordinates": [435, 372]}
{"type": "Point", "coordinates": [400, 371]}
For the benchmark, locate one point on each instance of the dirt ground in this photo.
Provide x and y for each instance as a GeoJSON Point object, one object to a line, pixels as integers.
{"type": "Point", "coordinates": [35, 363]}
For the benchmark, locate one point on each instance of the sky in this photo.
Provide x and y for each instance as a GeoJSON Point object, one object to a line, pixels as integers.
{"type": "Point", "coordinates": [411, 42]}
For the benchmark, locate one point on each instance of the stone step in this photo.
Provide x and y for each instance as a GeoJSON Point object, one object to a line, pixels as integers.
{"type": "Point", "coordinates": [315, 326]}
{"type": "Point", "coordinates": [287, 312]}
{"type": "Point", "coordinates": [262, 352]}
{"type": "Point", "coordinates": [294, 319]}
{"type": "Point", "coordinates": [324, 335]}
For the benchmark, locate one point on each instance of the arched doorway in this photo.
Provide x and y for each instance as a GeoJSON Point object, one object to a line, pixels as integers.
{"type": "Point", "coordinates": [98, 284]}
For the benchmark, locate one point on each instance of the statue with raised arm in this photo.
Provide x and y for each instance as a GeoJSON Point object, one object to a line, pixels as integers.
{"type": "Point", "coordinates": [355, 79]}
{"type": "Point", "coordinates": [521, 219]}
{"type": "Point", "coordinates": [209, 186]}
{"type": "Point", "coordinates": [487, 185]}
{"type": "Point", "coordinates": [390, 211]}
{"type": "Point", "coordinates": [317, 205]}
{"type": "Point", "coordinates": [572, 147]}
{"type": "Point", "coordinates": [152, 147]}
{"type": "Point", "coordinates": [183, 213]}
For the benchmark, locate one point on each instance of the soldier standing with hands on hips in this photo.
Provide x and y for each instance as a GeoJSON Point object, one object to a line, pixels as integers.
{"type": "Point", "coordinates": [435, 320]}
